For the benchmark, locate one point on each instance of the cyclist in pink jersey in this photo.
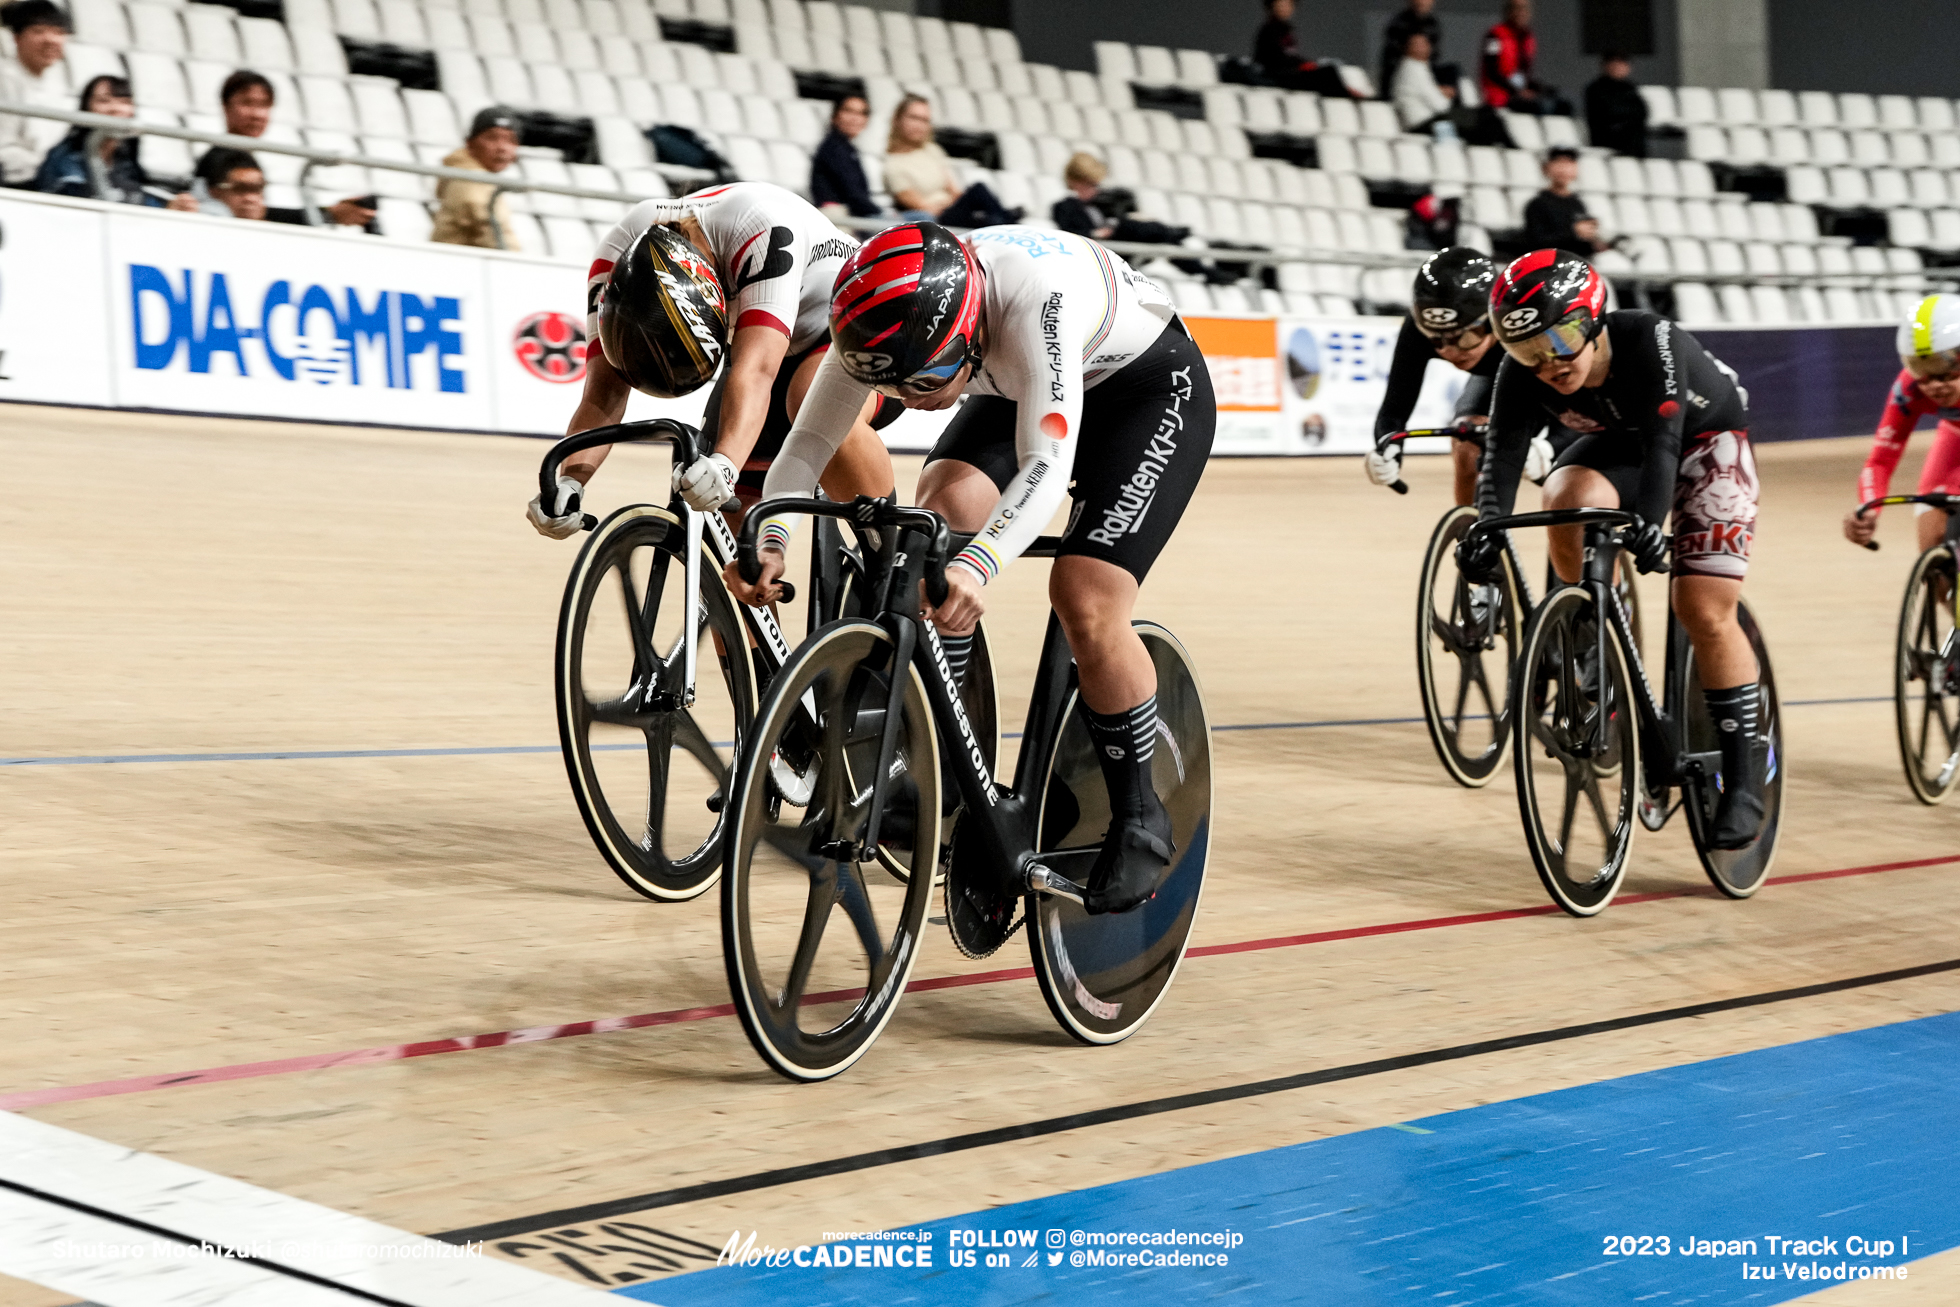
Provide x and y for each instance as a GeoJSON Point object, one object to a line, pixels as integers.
{"type": "Point", "coordinates": [1927, 386]}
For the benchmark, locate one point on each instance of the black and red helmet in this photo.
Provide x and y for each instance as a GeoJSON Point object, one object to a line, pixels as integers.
{"type": "Point", "coordinates": [904, 312]}
{"type": "Point", "coordinates": [662, 321]}
{"type": "Point", "coordinates": [1547, 306]}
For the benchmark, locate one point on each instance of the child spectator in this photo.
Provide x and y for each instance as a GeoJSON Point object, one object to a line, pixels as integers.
{"type": "Point", "coordinates": [1099, 215]}
{"type": "Point", "coordinates": [40, 29]}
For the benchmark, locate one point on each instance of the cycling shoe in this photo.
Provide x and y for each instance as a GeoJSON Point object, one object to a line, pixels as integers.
{"type": "Point", "coordinates": [1134, 857]}
{"type": "Point", "coordinates": [1739, 810]}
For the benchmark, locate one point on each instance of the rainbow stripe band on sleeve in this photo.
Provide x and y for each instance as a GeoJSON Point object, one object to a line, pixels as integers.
{"type": "Point", "coordinates": [775, 535]}
{"type": "Point", "coordinates": [981, 559]}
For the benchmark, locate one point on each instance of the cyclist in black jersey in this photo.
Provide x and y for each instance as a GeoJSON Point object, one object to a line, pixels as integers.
{"type": "Point", "coordinates": [1661, 425]}
{"type": "Point", "coordinates": [1449, 318]}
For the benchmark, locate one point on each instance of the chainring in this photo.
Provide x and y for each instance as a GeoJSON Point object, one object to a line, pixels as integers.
{"type": "Point", "coordinates": [979, 915]}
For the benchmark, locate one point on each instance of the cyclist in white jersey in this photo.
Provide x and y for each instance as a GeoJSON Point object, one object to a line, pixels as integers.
{"type": "Point", "coordinates": [1080, 379]}
{"type": "Point", "coordinates": [776, 258]}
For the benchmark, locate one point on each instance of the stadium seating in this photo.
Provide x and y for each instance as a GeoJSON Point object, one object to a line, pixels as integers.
{"type": "Point", "coordinates": [1197, 152]}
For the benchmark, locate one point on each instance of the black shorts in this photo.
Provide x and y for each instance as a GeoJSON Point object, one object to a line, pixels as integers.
{"type": "Point", "coordinates": [1146, 433]}
{"type": "Point", "coordinates": [776, 424]}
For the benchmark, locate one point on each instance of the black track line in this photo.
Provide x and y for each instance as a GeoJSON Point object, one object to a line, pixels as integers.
{"type": "Point", "coordinates": [1152, 1107]}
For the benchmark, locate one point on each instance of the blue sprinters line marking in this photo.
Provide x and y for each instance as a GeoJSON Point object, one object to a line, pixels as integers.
{"type": "Point", "coordinates": [1853, 1135]}
{"type": "Point", "coordinates": [316, 755]}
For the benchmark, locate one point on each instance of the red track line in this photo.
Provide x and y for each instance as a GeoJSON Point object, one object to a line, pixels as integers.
{"type": "Point", "coordinates": [538, 1034]}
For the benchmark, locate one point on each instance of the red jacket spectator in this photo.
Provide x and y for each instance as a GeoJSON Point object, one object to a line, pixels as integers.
{"type": "Point", "coordinates": [1510, 50]}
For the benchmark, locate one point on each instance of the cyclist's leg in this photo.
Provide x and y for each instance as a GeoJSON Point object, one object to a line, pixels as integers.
{"type": "Point", "coordinates": [1940, 476]}
{"type": "Point", "coordinates": [971, 463]}
{"type": "Point", "coordinates": [1594, 472]}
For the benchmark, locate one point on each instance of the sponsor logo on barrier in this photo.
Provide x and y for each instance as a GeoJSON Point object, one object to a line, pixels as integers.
{"type": "Point", "coordinates": [189, 320]}
{"type": "Point", "coordinates": [551, 347]}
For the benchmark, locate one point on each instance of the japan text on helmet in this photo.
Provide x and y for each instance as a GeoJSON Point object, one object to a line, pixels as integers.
{"type": "Point", "coordinates": [662, 321]}
{"type": "Point", "coordinates": [1547, 306]}
{"type": "Point", "coordinates": [1929, 340]}
{"type": "Point", "coordinates": [903, 315]}
{"type": "Point", "coordinates": [1452, 295]}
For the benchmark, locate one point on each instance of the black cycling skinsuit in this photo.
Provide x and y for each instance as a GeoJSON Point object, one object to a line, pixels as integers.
{"type": "Point", "coordinates": [1668, 427]}
{"type": "Point", "coordinates": [1413, 350]}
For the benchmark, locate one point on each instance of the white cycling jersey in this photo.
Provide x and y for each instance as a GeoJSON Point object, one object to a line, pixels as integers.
{"type": "Point", "coordinates": [776, 255]}
{"type": "Point", "coordinates": [1060, 314]}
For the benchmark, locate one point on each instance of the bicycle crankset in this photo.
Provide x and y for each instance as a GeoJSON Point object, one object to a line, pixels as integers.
{"type": "Point", "coordinates": [980, 913]}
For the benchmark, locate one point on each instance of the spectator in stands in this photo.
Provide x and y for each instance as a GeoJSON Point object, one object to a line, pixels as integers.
{"type": "Point", "coordinates": [1420, 103]}
{"type": "Point", "coordinates": [236, 185]}
{"type": "Point", "coordinates": [1556, 217]}
{"type": "Point", "coordinates": [65, 170]}
{"type": "Point", "coordinates": [837, 181]}
{"type": "Point", "coordinates": [40, 29]}
{"type": "Point", "coordinates": [920, 177]}
{"type": "Point", "coordinates": [1277, 52]}
{"type": "Point", "coordinates": [1510, 51]}
{"type": "Point", "coordinates": [1419, 19]}
{"type": "Point", "coordinates": [1104, 215]}
{"type": "Point", "coordinates": [246, 98]}
{"type": "Point", "coordinates": [464, 215]}
{"type": "Point", "coordinates": [1616, 113]}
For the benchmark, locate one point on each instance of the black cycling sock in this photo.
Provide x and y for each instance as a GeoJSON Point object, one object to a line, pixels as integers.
{"type": "Point", "coordinates": [958, 649]}
{"type": "Point", "coordinates": [1734, 711]}
{"type": "Point", "coordinates": [1124, 743]}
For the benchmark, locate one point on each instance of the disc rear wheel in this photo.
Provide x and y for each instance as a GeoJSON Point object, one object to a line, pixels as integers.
{"type": "Point", "coordinates": [1738, 873]}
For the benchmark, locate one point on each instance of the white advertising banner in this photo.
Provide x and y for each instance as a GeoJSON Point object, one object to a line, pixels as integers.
{"type": "Point", "coordinates": [110, 305]}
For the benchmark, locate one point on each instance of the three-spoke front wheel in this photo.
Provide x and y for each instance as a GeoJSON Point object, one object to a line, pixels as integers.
{"type": "Point", "coordinates": [1466, 640]}
{"type": "Point", "coordinates": [1926, 680]}
{"type": "Point", "coordinates": [647, 766]}
{"type": "Point", "coordinates": [1576, 753]}
{"type": "Point", "coordinates": [819, 938]}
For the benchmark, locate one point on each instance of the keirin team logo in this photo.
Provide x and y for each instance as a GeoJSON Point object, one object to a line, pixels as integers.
{"type": "Point", "coordinates": [551, 346]}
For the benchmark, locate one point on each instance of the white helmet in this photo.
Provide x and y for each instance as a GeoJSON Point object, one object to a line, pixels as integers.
{"type": "Point", "coordinates": [1929, 340]}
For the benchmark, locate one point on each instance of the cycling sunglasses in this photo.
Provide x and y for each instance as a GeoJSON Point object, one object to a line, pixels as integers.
{"type": "Point", "coordinates": [936, 375]}
{"type": "Point", "coordinates": [1934, 367]}
{"type": "Point", "coordinates": [1467, 339]}
{"type": "Point", "coordinates": [1558, 342]}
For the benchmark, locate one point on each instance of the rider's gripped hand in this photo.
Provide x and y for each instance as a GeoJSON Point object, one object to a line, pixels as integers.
{"type": "Point", "coordinates": [1860, 526]}
{"type": "Point", "coordinates": [1648, 545]}
{"type": "Point", "coordinates": [564, 518]}
{"type": "Point", "coordinates": [1479, 557]}
{"type": "Point", "coordinates": [963, 606]}
{"type": "Point", "coordinates": [765, 591]}
{"type": "Point", "coordinates": [1384, 469]}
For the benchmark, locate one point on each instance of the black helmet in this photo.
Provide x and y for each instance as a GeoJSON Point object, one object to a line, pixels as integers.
{"type": "Point", "coordinates": [662, 322]}
{"type": "Point", "coordinates": [904, 311]}
{"type": "Point", "coordinates": [1452, 294]}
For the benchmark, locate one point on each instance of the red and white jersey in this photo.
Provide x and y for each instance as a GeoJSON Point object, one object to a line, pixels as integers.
{"type": "Point", "coordinates": [777, 257]}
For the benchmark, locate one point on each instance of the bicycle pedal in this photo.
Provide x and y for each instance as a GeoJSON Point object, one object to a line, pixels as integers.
{"type": "Point", "coordinates": [1041, 880]}
{"type": "Point", "coordinates": [837, 850]}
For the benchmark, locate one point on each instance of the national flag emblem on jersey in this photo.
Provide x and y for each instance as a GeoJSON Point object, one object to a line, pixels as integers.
{"type": "Point", "coordinates": [551, 347]}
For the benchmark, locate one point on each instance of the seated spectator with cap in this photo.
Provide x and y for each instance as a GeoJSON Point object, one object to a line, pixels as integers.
{"type": "Point", "coordinates": [837, 182]}
{"type": "Point", "coordinates": [40, 29]}
{"type": "Point", "coordinates": [247, 98]}
{"type": "Point", "coordinates": [1099, 215]}
{"type": "Point", "coordinates": [66, 170]}
{"type": "Point", "coordinates": [464, 215]}
{"type": "Point", "coordinates": [920, 176]}
{"type": "Point", "coordinates": [1556, 218]}
{"type": "Point", "coordinates": [1616, 112]}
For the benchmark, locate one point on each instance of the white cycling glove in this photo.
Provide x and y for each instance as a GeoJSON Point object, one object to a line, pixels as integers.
{"type": "Point", "coordinates": [706, 483]}
{"type": "Point", "coordinates": [1538, 460]}
{"type": "Point", "coordinates": [564, 518]}
{"type": "Point", "coordinates": [1384, 469]}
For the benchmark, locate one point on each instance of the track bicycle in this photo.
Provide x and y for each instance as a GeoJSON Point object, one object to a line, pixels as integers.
{"type": "Point", "coordinates": [1595, 752]}
{"type": "Point", "coordinates": [1926, 669]}
{"type": "Point", "coordinates": [647, 740]}
{"type": "Point", "coordinates": [1463, 628]}
{"type": "Point", "coordinates": [862, 751]}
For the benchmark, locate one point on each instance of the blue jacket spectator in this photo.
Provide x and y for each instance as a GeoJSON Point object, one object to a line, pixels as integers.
{"type": "Point", "coordinates": [65, 170]}
{"type": "Point", "coordinates": [836, 173]}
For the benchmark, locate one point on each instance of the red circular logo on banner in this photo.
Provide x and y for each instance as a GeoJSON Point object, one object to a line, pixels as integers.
{"type": "Point", "coordinates": [551, 346]}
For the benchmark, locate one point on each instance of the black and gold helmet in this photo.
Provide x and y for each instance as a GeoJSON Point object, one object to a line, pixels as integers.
{"type": "Point", "coordinates": [663, 322]}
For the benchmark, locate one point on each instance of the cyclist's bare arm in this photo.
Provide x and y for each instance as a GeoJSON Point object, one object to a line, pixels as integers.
{"type": "Point", "coordinates": [602, 403]}
{"type": "Point", "coordinates": [753, 363]}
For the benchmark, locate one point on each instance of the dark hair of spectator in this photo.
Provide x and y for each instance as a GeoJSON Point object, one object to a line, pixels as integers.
{"type": "Point", "coordinates": [222, 161]}
{"type": "Point", "coordinates": [837, 105]}
{"type": "Point", "coordinates": [1615, 57]}
{"type": "Point", "coordinates": [244, 80]}
{"type": "Point", "coordinates": [23, 14]}
{"type": "Point", "coordinates": [118, 87]}
{"type": "Point", "coordinates": [1560, 152]}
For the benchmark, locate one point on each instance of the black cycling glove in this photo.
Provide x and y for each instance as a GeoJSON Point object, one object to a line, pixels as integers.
{"type": "Point", "coordinates": [1648, 545]}
{"type": "Point", "coordinates": [1480, 556]}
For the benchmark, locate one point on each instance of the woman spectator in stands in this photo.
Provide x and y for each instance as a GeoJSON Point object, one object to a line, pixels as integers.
{"type": "Point", "coordinates": [1510, 51]}
{"type": "Point", "coordinates": [246, 98]}
{"type": "Point", "coordinates": [66, 170]}
{"type": "Point", "coordinates": [1420, 103]}
{"type": "Point", "coordinates": [1616, 112]}
{"type": "Point", "coordinates": [920, 177]}
{"type": "Point", "coordinates": [40, 29]}
{"type": "Point", "coordinates": [1088, 211]}
{"type": "Point", "coordinates": [1419, 19]}
{"type": "Point", "coordinates": [837, 182]}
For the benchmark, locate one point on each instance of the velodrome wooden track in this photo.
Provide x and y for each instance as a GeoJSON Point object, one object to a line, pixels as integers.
{"type": "Point", "coordinates": [188, 586]}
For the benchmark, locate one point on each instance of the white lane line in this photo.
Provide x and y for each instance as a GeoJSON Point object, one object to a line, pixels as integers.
{"type": "Point", "coordinates": [302, 1250]}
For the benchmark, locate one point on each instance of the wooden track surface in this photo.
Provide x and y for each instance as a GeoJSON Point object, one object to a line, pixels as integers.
{"type": "Point", "coordinates": [182, 585]}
